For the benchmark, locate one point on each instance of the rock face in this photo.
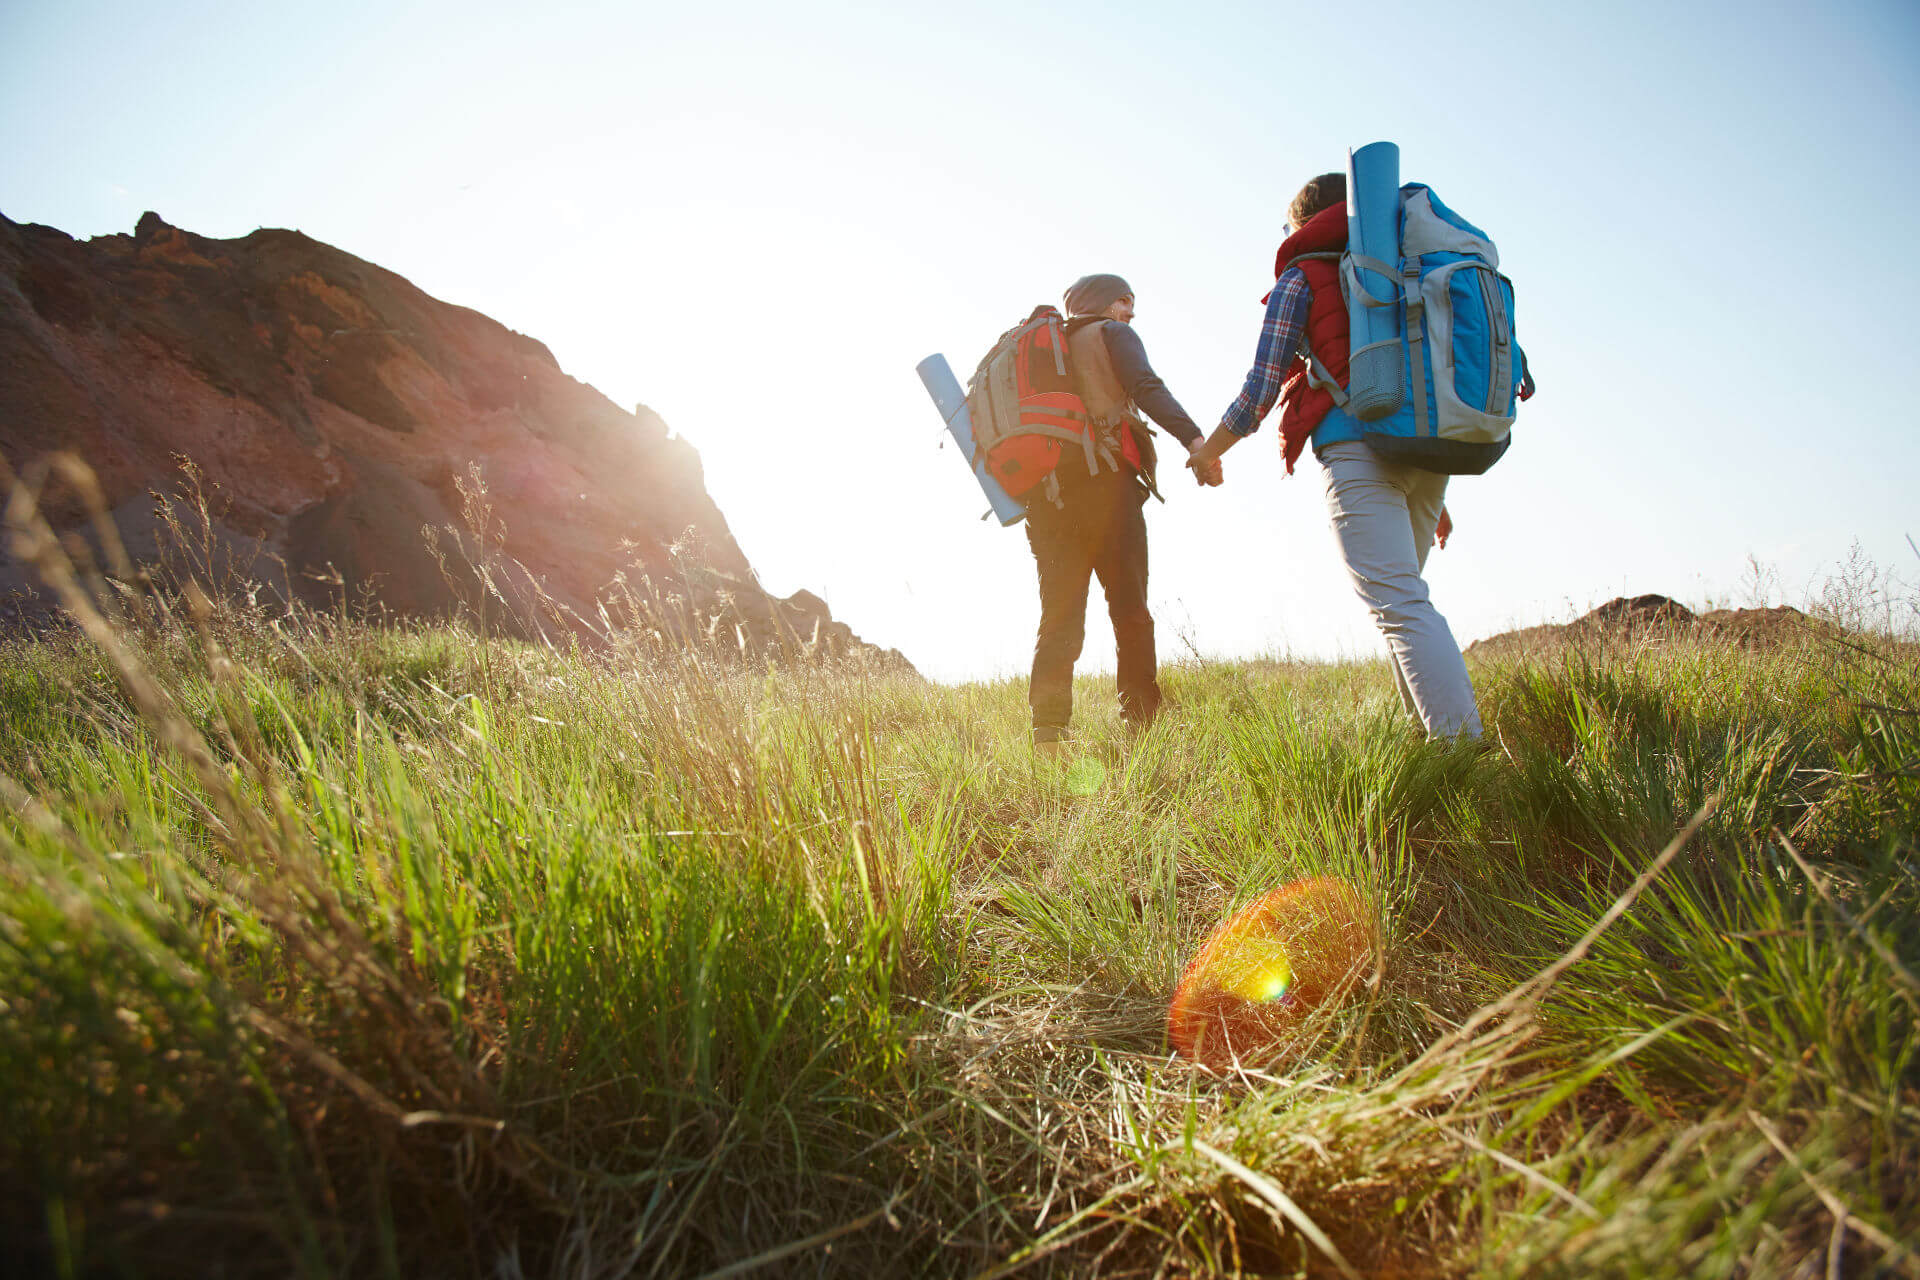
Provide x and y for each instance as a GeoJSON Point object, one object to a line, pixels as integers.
{"type": "Point", "coordinates": [336, 411]}
{"type": "Point", "coordinates": [1653, 618]}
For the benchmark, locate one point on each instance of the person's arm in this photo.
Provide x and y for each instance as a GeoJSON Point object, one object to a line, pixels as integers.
{"type": "Point", "coordinates": [1144, 387]}
{"type": "Point", "coordinates": [1280, 332]}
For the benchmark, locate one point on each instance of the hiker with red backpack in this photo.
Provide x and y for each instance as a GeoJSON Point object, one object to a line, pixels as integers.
{"type": "Point", "coordinates": [1082, 459]}
{"type": "Point", "coordinates": [1388, 461]}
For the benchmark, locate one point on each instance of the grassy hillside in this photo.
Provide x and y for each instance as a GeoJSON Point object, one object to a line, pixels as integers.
{"type": "Point", "coordinates": [336, 949]}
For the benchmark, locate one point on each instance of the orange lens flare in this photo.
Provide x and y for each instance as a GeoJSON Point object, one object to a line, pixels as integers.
{"type": "Point", "coordinates": [1258, 977]}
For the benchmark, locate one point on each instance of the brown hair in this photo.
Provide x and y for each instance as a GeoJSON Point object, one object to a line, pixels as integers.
{"type": "Point", "coordinates": [1322, 193]}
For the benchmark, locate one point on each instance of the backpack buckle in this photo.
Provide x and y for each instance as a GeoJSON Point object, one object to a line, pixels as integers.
{"type": "Point", "coordinates": [1410, 288]}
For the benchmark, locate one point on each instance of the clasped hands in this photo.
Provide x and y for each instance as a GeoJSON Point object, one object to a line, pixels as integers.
{"type": "Point", "coordinates": [1204, 461]}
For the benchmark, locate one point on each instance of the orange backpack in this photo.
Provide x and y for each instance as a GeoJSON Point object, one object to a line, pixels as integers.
{"type": "Point", "coordinates": [1025, 409]}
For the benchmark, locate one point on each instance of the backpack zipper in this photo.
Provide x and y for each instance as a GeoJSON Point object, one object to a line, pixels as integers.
{"type": "Point", "coordinates": [1497, 323]}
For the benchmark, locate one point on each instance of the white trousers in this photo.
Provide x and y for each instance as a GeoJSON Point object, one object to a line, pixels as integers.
{"type": "Point", "coordinates": [1384, 516]}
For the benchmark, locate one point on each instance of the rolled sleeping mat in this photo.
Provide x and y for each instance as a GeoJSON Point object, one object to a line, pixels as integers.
{"type": "Point", "coordinates": [937, 376]}
{"type": "Point", "coordinates": [1376, 368]}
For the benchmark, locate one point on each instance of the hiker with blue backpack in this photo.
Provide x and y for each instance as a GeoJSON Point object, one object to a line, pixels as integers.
{"type": "Point", "coordinates": [1427, 392]}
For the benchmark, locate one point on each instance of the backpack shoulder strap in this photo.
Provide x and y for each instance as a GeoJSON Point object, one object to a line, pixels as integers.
{"type": "Point", "coordinates": [1416, 331]}
{"type": "Point", "coordinates": [1318, 375]}
{"type": "Point", "coordinates": [1298, 258]}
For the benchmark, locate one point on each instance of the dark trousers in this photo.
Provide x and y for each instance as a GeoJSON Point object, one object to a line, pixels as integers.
{"type": "Point", "coordinates": [1101, 531]}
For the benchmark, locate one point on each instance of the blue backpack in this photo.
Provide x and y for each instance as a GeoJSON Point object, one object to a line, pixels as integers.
{"type": "Point", "coordinates": [1444, 400]}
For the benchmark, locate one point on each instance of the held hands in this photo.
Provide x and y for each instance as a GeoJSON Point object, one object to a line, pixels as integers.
{"type": "Point", "coordinates": [1205, 464]}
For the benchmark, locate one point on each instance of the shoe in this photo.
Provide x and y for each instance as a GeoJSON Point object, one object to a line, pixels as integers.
{"type": "Point", "coordinates": [1135, 722]}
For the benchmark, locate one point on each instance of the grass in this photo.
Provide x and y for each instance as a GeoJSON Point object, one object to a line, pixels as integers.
{"type": "Point", "coordinates": [330, 948]}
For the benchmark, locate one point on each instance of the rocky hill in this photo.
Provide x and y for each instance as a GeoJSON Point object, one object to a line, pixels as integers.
{"type": "Point", "coordinates": [335, 411]}
{"type": "Point", "coordinates": [1651, 619]}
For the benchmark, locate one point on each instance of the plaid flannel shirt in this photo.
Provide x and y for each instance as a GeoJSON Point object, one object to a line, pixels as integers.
{"type": "Point", "coordinates": [1279, 344]}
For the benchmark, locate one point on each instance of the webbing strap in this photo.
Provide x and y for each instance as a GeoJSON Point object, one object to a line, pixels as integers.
{"type": "Point", "coordinates": [1004, 389]}
{"type": "Point", "coordinates": [1093, 462]}
{"type": "Point", "coordinates": [1051, 432]}
{"type": "Point", "coordinates": [1354, 263]}
{"type": "Point", "coordinates": [1059, 355]}
{"type": "Point", "coordinates": [1416, 338]}
{"type": "Point", "coordinates": [1298, 258]}
{"type": "Point", "coordinates": [1319, 376]}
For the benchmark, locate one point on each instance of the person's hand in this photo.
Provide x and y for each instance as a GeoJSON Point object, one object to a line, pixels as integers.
{"type": "Point", "coordinates": [1443, 530]}
{"type": "Point", "coordinates": [1205, 465]}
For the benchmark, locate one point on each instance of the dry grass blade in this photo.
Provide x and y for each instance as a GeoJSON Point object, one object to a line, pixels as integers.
{"type": "Point", "coordinates": [1268, 1191]}
{"type": "Point", "coordinates": [325, 1062]}
{"type": "Point", "coordinates": [1897, 1254]}
{"type": "Point", "coordinates": [1525, 997]}
{"type": "Point", "coordinates": [414, 1119]}
{"type": "Point", "coordinates": [1505, 1161]}
{"type": "Point", "coordinates": [814, 1241]}
{"type": "Point", "coordinates": [1063, 1235]}
{"type": "Point", "coordinates": [1910, 985]}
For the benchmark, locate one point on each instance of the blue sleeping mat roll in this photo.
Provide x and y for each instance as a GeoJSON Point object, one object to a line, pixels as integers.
{"type": "Point", "coordinates": [1376, 366]}
{"type": "Point", "coordinates": [937, 376]}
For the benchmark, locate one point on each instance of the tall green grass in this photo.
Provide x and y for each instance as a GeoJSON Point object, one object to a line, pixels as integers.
{"type": "Point", "coordinates": [329, 948]}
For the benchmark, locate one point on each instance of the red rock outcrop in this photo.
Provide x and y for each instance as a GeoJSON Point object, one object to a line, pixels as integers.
{"type": "Point", "coordinates": [336, 409]}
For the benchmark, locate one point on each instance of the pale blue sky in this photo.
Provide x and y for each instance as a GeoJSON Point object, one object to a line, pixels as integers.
{"type": "Point", "coordinates": [756, 218]}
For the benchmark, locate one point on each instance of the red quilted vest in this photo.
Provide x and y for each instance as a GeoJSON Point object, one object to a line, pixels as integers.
{"type": "Point", "coordinates": [1303, 406]}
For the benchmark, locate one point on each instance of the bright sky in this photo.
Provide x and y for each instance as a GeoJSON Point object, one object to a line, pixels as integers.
{"type": "Point", "coordinates": [757, 217]}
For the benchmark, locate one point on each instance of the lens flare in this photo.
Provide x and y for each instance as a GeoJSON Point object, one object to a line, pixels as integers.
{"type": "Point", "coordinates": [1086, 776]}
{"type": "Point", "coordinates": [1256, 979]}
